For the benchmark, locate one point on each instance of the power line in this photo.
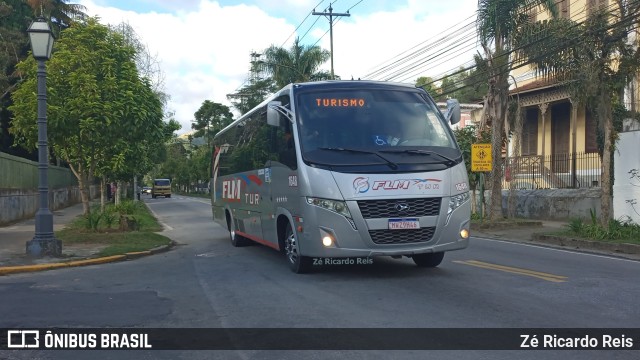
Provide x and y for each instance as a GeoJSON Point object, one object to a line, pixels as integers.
{"type": "Point", "coordinates": [331, 14]}
{"type": "Point", "coordinates": [482, 76]}
{"type": "Point", "coordinates": [337, 21]}
{"type": "Point", "coordinates": [302, 22]}
{"type": "Point", "coordinates": [450, 52]}
{"type": "Point", "coordinates": [429, 44]}
{"type": "Point", "coordinates": [472, 66]}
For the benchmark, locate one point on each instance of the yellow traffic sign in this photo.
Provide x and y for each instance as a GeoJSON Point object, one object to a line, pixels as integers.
{"type": "Point", "coordinates": [481, 157]}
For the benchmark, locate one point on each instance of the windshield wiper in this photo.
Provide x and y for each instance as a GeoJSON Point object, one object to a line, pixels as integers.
{"type": "Point", "coordinates": [422, 152]}
{"type": "Point", "coordinates": [390, 163]}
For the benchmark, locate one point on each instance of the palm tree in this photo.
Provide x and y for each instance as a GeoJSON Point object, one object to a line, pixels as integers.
{"type": "Point", "coordinates": [595, 61]}
{"type": "Point", "coordinates": [497, 23]}
{"type": "Point", "coordinates": [60, 13]}
{"type": "Point", "coordinates": [298, 64]}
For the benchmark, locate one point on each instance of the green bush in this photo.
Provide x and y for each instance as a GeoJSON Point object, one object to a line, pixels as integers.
{"type": "Point", "coordinates": [99, 220]}
{"type": "Point", "coordinates": [110, 217]}
{"type": "Point", "coordinates": [615, 230]}
{"type": "Point", "coordinates": [576, 225]}
{"type": "Point", "coordinates": [129, 207]}
{"type": "Point", "coordinates": [92, 220]}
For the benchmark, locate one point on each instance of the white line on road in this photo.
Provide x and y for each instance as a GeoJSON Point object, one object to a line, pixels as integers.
{"type": "Point", "coordinates": [166, 226]}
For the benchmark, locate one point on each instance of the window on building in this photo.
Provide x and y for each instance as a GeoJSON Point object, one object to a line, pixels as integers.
{"type": "Point", "coordinates": [529, 144]}
{"type": "Point", "coordinates": [595, 5]}
{"type": "Point", "coordinates": [533, 14]}
{"type": "Point", "coordinates": [590, 133]}
{"type": "Point", "coordinates": [565, 11]}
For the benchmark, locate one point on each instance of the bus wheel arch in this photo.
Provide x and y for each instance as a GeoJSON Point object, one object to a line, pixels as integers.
{"type": "Point", "coordinates": [289, 245]}
{"type": "Point", "coordinates": [236, 240]}
{"type": "Point", "coordinates": [281, 227]}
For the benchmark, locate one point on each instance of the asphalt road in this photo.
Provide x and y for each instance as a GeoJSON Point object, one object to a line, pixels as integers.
{"type": "Point", "coordinates": [206, 283]}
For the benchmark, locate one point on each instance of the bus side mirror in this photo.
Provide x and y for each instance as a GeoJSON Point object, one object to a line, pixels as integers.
{"type": "Point", "coordinates": [273, 116]}
{"type": "Point", "coordinates": [453, 111]}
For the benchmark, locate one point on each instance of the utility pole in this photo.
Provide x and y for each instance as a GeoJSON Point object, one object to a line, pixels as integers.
{"type": "Point", "coordinates": [331, 14]}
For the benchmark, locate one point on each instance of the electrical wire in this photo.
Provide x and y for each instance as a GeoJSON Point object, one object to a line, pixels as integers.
{"type": "Point", "coordinates": [299, 25]}
{"type": "Point", "coordinates": [565, 45]}
{"type": "Point", "coordinates": [509, 53]}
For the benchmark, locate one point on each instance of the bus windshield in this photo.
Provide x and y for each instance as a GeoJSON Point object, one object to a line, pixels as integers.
{"type": "Point", "coordinates": [372, 120]}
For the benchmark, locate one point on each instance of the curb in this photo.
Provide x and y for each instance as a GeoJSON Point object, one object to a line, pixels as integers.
{"type": "Point", "coordinates": [480, 227]}
{"type": "Point", "coordinates": [8, 270]}
{"type": "Point", "coordinates": [621, 248]}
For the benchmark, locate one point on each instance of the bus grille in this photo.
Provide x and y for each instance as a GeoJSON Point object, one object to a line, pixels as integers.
{"type": "Point", "coordinates": [375, 209]}
{"type": "Point", "coordinates": [385, 237]}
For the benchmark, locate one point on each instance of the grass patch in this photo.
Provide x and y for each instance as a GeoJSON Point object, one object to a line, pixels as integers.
{"type": "Point", "coordinates": [104, 228]}
{"type": "Point", "coordinates": [617, 231]}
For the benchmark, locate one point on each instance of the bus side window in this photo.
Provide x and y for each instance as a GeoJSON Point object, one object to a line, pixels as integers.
{"type": "Point", "coordinates": [287, 150]}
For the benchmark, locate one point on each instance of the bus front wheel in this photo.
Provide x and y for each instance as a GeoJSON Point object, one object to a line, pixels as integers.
{"type": "Point", "coordinates": [236, 240]}
{"type": "Point", "coordinates": [299, 264]}
{"type": "Point", "coordinates": [428, 259]}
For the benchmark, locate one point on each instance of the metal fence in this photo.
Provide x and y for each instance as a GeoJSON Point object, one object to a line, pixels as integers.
{"type": "Point", "coordinates": [19, 173]}
{"type": "Point", "coordinates": [556, 171]}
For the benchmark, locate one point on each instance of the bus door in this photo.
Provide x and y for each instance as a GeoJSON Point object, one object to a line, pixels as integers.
{"type": "Point", "coordinates": [282, 175]}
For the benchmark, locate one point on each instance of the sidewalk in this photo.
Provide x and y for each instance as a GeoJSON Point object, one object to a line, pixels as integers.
{"type": "Point", "coordinates": [542, 232]}
{"type": "Point", "coordinates": [13, 239]}
{"type": "Point", "coordinates": [523, 231]}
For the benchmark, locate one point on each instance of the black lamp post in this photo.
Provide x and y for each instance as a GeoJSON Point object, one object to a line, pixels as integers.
{"type": "Point", "coordinates": [44, 242]}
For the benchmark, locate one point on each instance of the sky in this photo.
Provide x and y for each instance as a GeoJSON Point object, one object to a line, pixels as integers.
{"type": "Point", "coordinates": [204, 46]}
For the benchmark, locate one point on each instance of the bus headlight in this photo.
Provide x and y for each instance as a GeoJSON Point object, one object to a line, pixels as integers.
{"type": "Point", "coordinates": [455, 202]}
{"type": "Point", "coordinates": [339, 207]}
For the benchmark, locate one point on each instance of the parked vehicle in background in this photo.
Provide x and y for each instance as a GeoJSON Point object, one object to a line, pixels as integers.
{"type": "Point", "coordinates": [146, 190]}
{"type": "Point", "coordinates": [334, 170]}
{"type": "Point", "coordinates": [161, 187]}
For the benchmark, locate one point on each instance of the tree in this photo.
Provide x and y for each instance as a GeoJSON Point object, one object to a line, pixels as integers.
{"type": "Point", "coordinates": [298, 64]}
{"type": "Point", "coordinates": [252, 94]}
{"type": "Point", "coordinates": [148, 65]}
{"type": "Point", "coordinates": [175, 165]}
{"type": "Point", "coordinates": [210, 118]}
{"type": "Point", "coordinates": [103, 119]}
{"type": "Point", "coordinates": [464, 85]}
{"type": "Point", "coordinates": [60, 13]}
{"type": "Point", "coordinates": [15, 16]}
{"type": "Point", "coordinates": [428, 85]}
{"type": "Point", "coordinates": [594, 61]}
{"type": "Point", "coordinates": [497, 23]}
{"type": "Point", "coordinates": [467, 136]}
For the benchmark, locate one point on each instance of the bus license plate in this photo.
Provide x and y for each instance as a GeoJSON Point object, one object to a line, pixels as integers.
{"type": "Point", "coordinates": [399, 224]}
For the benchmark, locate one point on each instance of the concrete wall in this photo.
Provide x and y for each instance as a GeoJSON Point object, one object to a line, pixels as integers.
{"type": "Point", "coordinates": [555, 204]}
{"type": "Point", "coordinates": [18, 204]}
{"type": "Point", "coordinates": [626, 189]}
{"type": "Point", "coordinates": [551, 204]}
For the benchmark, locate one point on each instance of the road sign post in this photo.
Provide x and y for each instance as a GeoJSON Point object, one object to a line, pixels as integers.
{"type": "Point", "coordinates": [481, 161]}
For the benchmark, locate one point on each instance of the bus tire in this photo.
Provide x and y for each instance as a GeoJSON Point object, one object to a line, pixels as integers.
{"type": "Point", "coordinates": [428, 259]}
{"type": "Point", "coordinates": [297, 263]}
{"type": "Point", "coordinates": [236, 240]}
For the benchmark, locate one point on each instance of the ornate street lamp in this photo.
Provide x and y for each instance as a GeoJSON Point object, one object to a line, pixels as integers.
{"type": "Point", "coordinates": [44, 242]}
